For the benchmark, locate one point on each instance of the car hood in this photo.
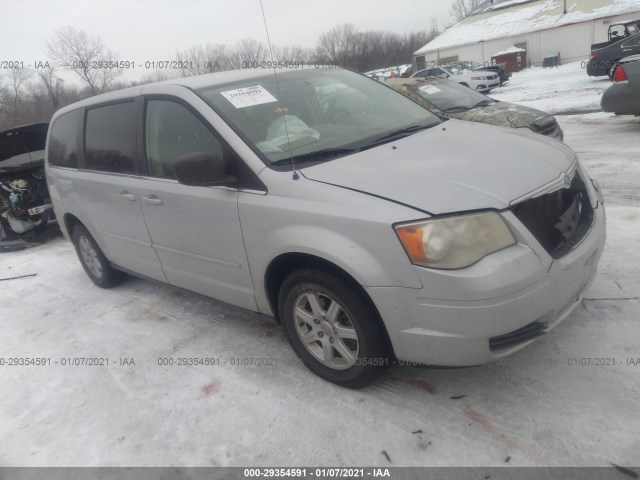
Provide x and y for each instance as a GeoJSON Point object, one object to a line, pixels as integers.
{"type": "Point", "coordinates": [22, 147]}
{"type": "Point", "coordinates": [452, 167]}
{"type": "Point", "coordinates": [502, 113]}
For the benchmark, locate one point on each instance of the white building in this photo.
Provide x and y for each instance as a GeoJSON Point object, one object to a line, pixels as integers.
{"type": "Point", "coordinates": [539, 26]}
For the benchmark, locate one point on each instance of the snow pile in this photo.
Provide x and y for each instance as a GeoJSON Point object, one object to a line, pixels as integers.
{"type": "Point", "coordinates": [500, 5]}
{"type": "Point", "coordinates": [508, 51]}
{"type": "Point", "coordinates": [386, 71]}
{"type": "Point", "coordinates": [520, 19]}
{"type": "Point", "coordinates": [562, 90]}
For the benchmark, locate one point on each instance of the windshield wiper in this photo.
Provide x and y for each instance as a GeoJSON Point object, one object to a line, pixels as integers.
{"type": "Point", "coordinates": [484, 103]}
{"type": "Point", "coordinates": [403, 132]}
{"type": "Point", "coordinates": [457, 108]}
{"type": "Point", "coordinates": [317, 155]}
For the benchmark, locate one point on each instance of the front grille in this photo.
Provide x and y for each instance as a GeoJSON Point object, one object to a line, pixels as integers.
{"type": "Point", "coordinates": [558, 220]}
{"type": "Point", "coordinates": [524, 334]}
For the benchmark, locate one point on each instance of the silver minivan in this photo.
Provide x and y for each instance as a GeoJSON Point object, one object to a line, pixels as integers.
{"type": "Point", "coordinates": [373, 230]}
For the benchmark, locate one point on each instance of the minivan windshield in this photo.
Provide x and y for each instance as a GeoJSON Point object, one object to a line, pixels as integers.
{"type": "Point", "coordinates": [315, 114]}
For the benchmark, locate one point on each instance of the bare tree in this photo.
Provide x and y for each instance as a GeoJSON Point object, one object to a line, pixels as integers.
{"type": "Point", "coordinates": [461, 8]}
{"type": "Point", "coordinates": [53, 85]}
{"type": "Point", "coordinates": [85, 55]}
{"type": "Point", "coordinates": [35, 104]}
{"type": "Point", "coordinates": [193, 61]}
{"type": "Point", "coordinates": [341, 45]}
{"type": "Point", "coordinates": [17, 78]}
{"type": "Point", "coordinates": [155, 76]}
{"type": "Point", "coordinates": [344, 45]}
{"type": "Point", "coordinates": [250, 52]}
{"type": "Point", "coordinates": [293, 54]}
{"type": "Point", "coordinates": [4, 107]}
{"type": "Point", "coordinates": [200, 59]}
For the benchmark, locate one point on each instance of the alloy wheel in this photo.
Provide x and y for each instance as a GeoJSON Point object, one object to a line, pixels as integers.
{"type": "Point", "coordinates": [90, 256]}
{"type": "Point", "coordinates": [326, 330]}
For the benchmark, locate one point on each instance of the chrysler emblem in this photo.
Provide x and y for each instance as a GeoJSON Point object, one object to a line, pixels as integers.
{"type": "Point", "coordinates": [567, 179]}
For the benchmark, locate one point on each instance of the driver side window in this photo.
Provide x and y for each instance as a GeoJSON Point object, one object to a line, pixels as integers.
{"type": "Point", "coordinates": [172, 131]}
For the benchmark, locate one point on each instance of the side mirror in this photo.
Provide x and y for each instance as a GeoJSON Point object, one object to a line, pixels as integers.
{"type": "Point", "coordinates": [202, 169]}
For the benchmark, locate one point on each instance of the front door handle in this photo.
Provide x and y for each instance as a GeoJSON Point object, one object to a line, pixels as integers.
{"type": "Point", "coordinates": [151, 200]}
{"type": "Point", "coordinates": [129, 196]}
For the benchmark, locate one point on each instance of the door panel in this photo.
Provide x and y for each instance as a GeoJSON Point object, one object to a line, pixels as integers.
{"type": "Point", "coordinates": [195, 230]}
{"type": "Point", "coordinates": [112, 204]}
{"type": "Point", "coordinates": [107, 188]}
{"type": "Point", "coordinates": [196, 233]}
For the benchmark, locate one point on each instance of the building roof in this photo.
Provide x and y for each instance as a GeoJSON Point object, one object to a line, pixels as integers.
{"type": "Point", "coordinates": [514, 17]}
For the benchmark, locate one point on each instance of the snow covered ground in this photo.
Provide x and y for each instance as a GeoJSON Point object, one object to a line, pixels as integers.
{"type": "Point", "coordinates": [563, 90]}
{"type": "Point", "coordinates": [539, 407]}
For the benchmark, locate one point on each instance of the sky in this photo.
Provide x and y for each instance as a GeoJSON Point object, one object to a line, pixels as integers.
{"type": "Point", "coordinates": [151, 30]}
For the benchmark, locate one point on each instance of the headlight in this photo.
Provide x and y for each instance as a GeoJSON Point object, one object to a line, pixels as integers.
{"type": "Point", "coordinates": [455, 242]}
{"type": "Point", "coordinates": [478, 78]}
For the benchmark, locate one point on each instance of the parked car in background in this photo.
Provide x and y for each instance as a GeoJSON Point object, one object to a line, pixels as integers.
{"type": "Point", "coordinates": [499, 69]}
{"type": "Point", "coordinates": [451, 100]}
{"type": "Point", "coordinates": [480, 81]}
{"type": "Point", "coordinates": [25, 206]}
{"type": "Point", "coordinates": [623, 97]}
{"type": "Point", "coordinates": [476, 67]}
{"type": "Point", "coordinates": [624, 40]}
{"type": "Point", "coordinates": [373, 230]}
{"type": "Point", "coordinates": [408, 72]}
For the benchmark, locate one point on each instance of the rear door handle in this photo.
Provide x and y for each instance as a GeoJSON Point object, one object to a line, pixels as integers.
{"type": "Point", "coordinates": [151, 200]}
{"type": "Point", "coordinates": [129, 196]}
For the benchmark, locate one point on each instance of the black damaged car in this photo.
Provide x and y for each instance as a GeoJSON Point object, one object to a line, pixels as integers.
{"type": "Point", "coordinates": [624, 41]}
{"type": "Point", "coordinates": [25, 206]}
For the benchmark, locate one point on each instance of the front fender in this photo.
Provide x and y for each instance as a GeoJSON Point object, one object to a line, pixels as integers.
{"type": "Point", "coordinates": [350, 230]}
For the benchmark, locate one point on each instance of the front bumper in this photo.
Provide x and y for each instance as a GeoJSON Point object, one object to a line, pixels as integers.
{"type": "Point", "coordinates": [488, 86]}
{"type": "Point", "coordinates": [455, 318]}
{"type": "Point", "coordinates": [597, 68]}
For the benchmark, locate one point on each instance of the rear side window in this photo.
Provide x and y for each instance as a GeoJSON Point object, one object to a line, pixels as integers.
{"type": "Point", "coordinates": [63, 140]}
{"type": "Point", "coordinates": [633, 43]}
{"type": "Point", "coordinates": [110, 138]}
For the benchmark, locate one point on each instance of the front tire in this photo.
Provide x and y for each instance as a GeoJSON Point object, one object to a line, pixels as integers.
{"type": "Point", "coordinates": [93, 261]}
{"type": "Point", "coordinates": [333, 328]}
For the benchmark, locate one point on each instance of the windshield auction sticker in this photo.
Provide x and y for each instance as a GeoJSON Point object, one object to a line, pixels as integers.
{"type": "Point", "coordinates": [249, 96]}
{"type": "Point", "coordinates": [429, 89]}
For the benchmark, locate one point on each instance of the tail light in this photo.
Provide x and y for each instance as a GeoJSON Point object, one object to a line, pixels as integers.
{"type": "Point", "coordinates": [593, 55]}
{"type": "Point", "coordinates": [620, 76]}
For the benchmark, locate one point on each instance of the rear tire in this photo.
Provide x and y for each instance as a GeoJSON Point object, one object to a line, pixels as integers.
{"type": "Point", "coordinates": [93, 261]}
{"type": "Point", "coordinates": [333, 328]}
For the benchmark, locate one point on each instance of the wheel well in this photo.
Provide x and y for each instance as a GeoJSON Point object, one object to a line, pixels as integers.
{"type": "Point", "coordinates": [71, 221]}
{"type": "Point", "coordinates": [282, 266]}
